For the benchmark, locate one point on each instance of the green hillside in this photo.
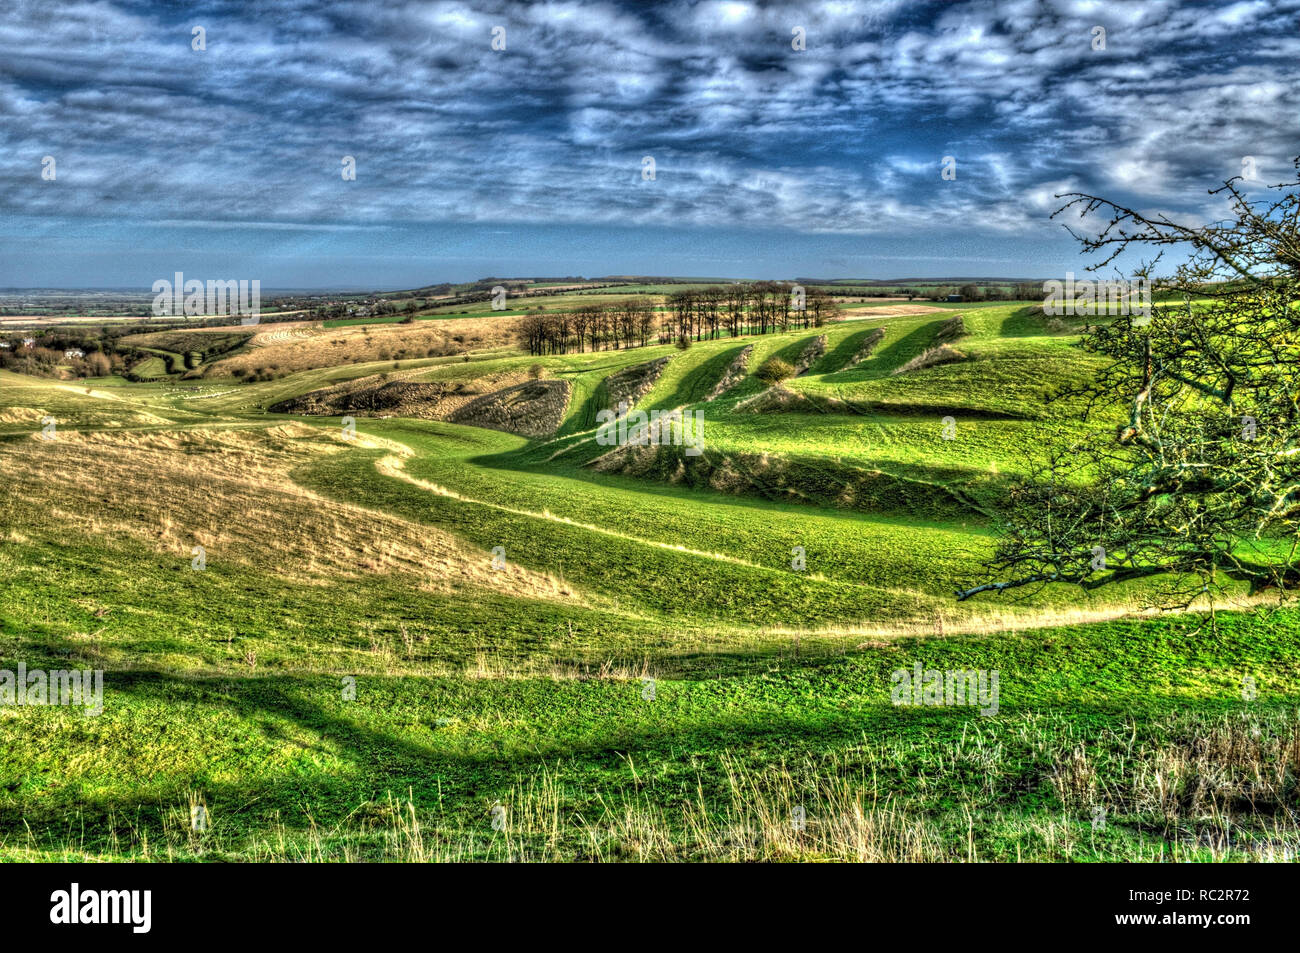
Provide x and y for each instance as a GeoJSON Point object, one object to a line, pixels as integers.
{"type": "Point", "coordinates": [668, 655]}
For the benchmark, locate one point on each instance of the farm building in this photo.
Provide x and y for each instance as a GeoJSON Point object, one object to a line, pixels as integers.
{"type": "Point", "coordinates": [954, 297]}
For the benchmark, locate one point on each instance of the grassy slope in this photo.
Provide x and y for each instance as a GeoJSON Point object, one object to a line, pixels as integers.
{"type": "Point", "coordinates": [771, 686]}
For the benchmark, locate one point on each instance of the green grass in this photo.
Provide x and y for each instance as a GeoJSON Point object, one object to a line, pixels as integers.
{"type": "Point", "coordinates": [771, 685]}
{"type": "Point", "coordinates": [151, 368]}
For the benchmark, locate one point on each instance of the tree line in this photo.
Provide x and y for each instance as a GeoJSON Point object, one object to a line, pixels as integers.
{"type": "Point", "coordinates": [697, 314]}
{"type": "Point", "coordinates": [594, 327]}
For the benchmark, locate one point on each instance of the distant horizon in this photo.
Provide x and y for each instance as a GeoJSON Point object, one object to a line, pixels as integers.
{"type": "Point", "coordinates": [627, 279]}
{"type": "Point", "coordinates": [65, 253]}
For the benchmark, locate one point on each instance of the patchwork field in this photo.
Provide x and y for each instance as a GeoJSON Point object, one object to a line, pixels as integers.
{"type": "Point", "coordinates": [395, 599]}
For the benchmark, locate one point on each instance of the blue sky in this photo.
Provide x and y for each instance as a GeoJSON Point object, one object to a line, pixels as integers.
{"type": "Point", "coordinates": [769, 161]}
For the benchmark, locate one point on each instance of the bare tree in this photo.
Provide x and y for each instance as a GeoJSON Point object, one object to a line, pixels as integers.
{"type": "Point", "coordinates": [1189, 468]}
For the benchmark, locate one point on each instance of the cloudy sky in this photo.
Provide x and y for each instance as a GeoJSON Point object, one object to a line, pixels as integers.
{"type": "Point", "coordinates": [471, 161]}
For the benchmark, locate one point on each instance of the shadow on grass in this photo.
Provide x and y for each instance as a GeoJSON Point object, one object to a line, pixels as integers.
{"type": "Point", "coordinates": [835, 359]}
{"type": "Point", "coordinates": [351, 756]}
{"type": "Point", "coordinates": [310, 758]}
{"type": "Point", "coordinates": [696, 383]}
{"type": "Point", "coordinates": [892, 355]}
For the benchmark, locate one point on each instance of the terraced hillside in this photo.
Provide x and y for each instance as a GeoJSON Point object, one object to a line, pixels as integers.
{"type": "Point", "coordinates": [461, 626]}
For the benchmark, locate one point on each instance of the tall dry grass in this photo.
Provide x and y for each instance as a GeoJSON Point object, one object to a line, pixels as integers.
{"type": "Point", "coordinates": [1185, 787]}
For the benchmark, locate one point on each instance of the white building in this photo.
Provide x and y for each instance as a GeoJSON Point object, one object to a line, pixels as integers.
{"type": "Point", "coordinates": [73, 352]}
